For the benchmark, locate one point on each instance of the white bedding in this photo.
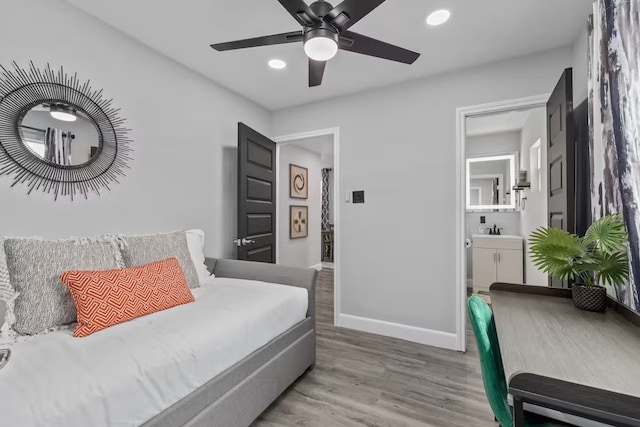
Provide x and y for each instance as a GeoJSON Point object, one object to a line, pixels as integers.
{"type": "Point", "coordinates": [128, 373]}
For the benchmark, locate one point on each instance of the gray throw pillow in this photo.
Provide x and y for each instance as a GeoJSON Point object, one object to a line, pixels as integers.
{"type": "Point", "coordinates": [145, 249]}
{"type": "Point", "coordinates": [35, 266]}
{"type": "Point", "coordinates": [7, 294]}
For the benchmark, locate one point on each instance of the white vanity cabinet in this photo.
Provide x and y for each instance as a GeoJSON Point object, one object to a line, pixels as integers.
{"type": "Point", "coordinates": [497, 259]}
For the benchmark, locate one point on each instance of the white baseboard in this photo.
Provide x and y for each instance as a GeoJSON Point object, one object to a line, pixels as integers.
{"type": "Point", "coordinates": [397, 330]}
{"type": "Point", "coordinates": [317, 266]}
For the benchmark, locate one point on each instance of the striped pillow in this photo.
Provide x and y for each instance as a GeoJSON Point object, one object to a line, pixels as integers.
{"type": "Point", "coordinates": [106, 298]}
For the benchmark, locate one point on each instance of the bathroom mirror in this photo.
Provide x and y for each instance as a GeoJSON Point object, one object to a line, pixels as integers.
{"type": "Point", "coordinates": [490, 181]}
{"type": "Point", "coordinates": [61, 134]}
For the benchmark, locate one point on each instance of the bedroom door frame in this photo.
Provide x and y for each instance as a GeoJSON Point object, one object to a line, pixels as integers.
{"type": "Point", "coordinates": [462, 114]}
{"type": "Point", "coordinates": [335, 134]}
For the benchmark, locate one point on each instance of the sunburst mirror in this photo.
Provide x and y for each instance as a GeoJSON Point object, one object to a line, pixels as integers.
{"type": "Point", "coordinates": [58, 134]}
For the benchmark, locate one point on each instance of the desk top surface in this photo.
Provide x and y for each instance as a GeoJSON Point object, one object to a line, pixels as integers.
{"type": "Point", "coordinates": [548, 336]}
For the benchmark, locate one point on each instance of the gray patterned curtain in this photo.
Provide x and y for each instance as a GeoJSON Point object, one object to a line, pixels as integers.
{"type": "Point", "coordinates": [57, 146]}
{"type": "Point", "coordinates": [614, 123]}
{"type": "Point", "coordinates": [325, 198]}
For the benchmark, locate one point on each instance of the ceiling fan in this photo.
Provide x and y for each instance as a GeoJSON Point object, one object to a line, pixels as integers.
{"type": "Point", "coordinates": [324, 31]}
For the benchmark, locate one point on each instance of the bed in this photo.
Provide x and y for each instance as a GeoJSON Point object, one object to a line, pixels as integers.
{"type": "Point", "coordinates": [219, 361]}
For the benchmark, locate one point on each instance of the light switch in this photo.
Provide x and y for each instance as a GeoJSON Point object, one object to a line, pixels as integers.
{"type": "Point", "coordinates": [347, 196]}
{"type": "Point", "coordinates": [358, 196]}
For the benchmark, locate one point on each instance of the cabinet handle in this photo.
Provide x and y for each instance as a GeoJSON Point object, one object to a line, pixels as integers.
{"type": "Point", "coordinates": [499, 257]}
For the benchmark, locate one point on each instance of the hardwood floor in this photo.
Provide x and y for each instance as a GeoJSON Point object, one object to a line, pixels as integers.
{"type": "Point", "coordinates": [362, 379]}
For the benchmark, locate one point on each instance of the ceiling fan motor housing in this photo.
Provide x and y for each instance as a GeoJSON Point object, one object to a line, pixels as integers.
{"type": "Point", "coordinates": [321, 8]}
{"type": "Point", "coordinates": [329, 33]}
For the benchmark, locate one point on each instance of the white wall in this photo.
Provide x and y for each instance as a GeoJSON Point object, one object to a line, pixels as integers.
{"type": "Point", "coordinates": [303, 252]}
{"type": "Point", "coordinates": [535, 213]}
{"type": "Point", "coordinates": [398, 250]}
{"type": "Point", "coordinates": [580, 66]}
{"type": "Point", "coordinates": [479, 145]}
{"type": "Point", "coordinates": [184, 128]}
{"type": "Point", "coordinates": [495, 143]}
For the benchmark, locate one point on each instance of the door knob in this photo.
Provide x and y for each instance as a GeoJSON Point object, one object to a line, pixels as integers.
{"type": "Point", "coordinates": [243, 242]}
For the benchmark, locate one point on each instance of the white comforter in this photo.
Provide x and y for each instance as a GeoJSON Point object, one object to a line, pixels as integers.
{"type": "Point", "coordinates": [128, 373]}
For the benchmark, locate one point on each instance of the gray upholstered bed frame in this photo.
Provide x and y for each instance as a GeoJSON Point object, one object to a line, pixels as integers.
{"type": "Point", "coordinates": [240, 394]}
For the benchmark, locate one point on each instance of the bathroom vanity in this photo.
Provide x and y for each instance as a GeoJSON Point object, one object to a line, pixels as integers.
{"type": "Point", "coordinates": [497, 259]}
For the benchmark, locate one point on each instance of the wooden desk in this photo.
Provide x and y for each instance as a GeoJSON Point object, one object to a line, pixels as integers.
{"type": "Point", "coordinates": [556, 356]}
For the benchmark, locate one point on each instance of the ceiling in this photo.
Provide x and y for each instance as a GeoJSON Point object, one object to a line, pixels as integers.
{"type": "Point", "coordinates": [511, 121]}
{"type": "Point", "coordinates": [479, 32]}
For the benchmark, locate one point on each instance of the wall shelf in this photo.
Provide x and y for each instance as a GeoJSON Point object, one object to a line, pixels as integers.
{"type": "Point", "coordinates": [522, 186]}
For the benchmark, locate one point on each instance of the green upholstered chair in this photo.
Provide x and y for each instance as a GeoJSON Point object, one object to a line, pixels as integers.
{"type": "Point", "coordinates": [495, 384]}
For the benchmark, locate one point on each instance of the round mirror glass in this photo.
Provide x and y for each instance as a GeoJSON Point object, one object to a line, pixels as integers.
{"type": "Point", "coordinates": [60, 133]}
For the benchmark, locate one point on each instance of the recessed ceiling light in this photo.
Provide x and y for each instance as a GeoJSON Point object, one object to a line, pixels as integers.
{"type": "Point", "coordinates": [438, 17]}
{"type": "Point", "coordinates": [277, 64]}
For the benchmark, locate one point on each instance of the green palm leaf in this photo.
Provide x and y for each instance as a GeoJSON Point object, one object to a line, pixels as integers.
{"type": "Point", "coordinates": [608, 234]}
{"type": "Point", "coordinates": [599, 257]}
{"type": "Point", "coordinates": [612, 269]}
{"type": "Point", "coordinates": [556, 252]}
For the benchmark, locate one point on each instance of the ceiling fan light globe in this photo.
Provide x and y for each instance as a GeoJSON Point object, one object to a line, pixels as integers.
{"type": "Point", "coordinates": [321, 48]}
{"type": "Point", "coordinates": [63, 113]}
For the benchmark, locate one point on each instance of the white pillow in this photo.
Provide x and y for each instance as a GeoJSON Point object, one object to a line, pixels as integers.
{"type": "Point", "coordinates": [195, 242]}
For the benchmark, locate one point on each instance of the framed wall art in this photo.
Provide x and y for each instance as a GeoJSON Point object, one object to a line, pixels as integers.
{"type": "Point", "coordinates": [298, 182]}
{"type": "Point", "coordinates": [298, 222]}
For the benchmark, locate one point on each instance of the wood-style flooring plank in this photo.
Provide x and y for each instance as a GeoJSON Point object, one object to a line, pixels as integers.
{"type": "Point", "coordinates": [363, 379]}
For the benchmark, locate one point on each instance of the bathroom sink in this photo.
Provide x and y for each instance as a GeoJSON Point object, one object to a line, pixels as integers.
{"type": "Point", "coordinates": [494, 236]}
{"type": "Point", "coordinates": [503, 241]}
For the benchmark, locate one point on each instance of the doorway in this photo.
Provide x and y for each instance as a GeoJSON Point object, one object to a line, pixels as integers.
{"type": "Point", "coordinates": [311, 159]}
{"type": "Point", "coordinates": [499, 148]}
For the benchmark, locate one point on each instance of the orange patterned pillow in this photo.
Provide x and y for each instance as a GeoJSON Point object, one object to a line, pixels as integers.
{"type": "Point", "coordinates": [106, 298]}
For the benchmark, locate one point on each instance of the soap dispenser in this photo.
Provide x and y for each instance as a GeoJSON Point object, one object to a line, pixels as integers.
{"type": "Point", "coordinates": [481, 228]}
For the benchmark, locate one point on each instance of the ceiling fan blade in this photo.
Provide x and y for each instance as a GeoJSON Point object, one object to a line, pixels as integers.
{"type": "Point", "coordinates": [349, 12]}
{"type": "Point", "coordinates": [295, 36]}
{"type": "Point", "coordinates": [300, 12]}
{"type": "Point", "coordinates": [316, 72]}
{"type": "Point", "coordinates": [358, 43]}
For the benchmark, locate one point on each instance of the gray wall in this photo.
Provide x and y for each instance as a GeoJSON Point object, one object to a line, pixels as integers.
{"type": "Point", "coordinates": [495, 143]}
{"type": "Point", "coordinates": [579, 53]}
{"type": "Point", "coordinates": [303, 252]}
{"type": "Point", "coordinates": [184, 127]}
{"type": "Point", "coordinates": [398, 250]}
{"type": "Point", "coordinates": [535, 213]}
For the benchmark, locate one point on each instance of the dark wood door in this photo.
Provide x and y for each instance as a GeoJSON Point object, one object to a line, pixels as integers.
{"type": "Point", "coordinates": [561, 158]}
{"type": "Point", "coordinates": [256, 196]}
{"type": "Point", "coordinates": [583, 168]}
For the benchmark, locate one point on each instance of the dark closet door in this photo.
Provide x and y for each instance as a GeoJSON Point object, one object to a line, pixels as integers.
{"type": "Point", "coordinates": [583, 168]}
{"type": "Point", "coordinates": [256, 196]}
{"type": "Point", "coordinates": [561, 158]}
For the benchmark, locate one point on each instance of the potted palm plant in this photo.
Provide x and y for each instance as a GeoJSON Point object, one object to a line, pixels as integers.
{"type": "Point", "coordinates": [591, 262]}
